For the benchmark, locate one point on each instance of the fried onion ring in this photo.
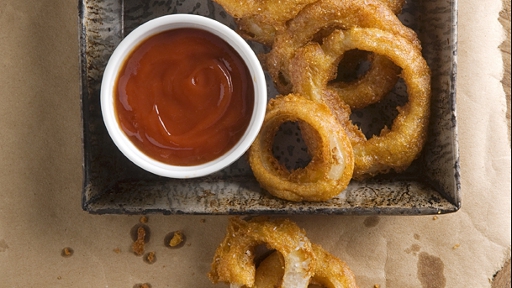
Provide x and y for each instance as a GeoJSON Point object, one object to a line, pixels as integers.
{"type": "Point", "coordinates": [233, 261]}
{"type": "Point", "coordinates": [330, 169]}
{"type": "Point", "coordinates": [314, 18]}
{"type": "Point", "coordinates": [330, 271]}
{"type": "Point", "coordinates": [258, 20]}
{"type": "Point", "coordinates": [394, 148]}
{"type": "Point", "coordinates": [395, 5]}
{"type": "Point", "coordinates": [370, 88]}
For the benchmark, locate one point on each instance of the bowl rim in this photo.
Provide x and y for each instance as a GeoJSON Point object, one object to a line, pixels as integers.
{"type": "Point", "coordinates": [153, 27]}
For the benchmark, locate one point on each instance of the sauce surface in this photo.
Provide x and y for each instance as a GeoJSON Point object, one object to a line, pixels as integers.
{"type": "Point", "coordinates": [184, 97]}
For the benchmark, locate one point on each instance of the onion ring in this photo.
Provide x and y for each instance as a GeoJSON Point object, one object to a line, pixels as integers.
{"type": "Point", "coordinates": [258, 20]}
{"type": "Point", "coordinates": [313, 66]}
{"type": "Point", "coordinates": [394, 148]}
{"type": "Point", "coordinates": [330, 271]}
{"type": "Point", "coordinates": [233, 261]}
{"type": "Point", "coordinates": [332, 14]}
{"type": "Point", "coordinates": [370, 88]}
{"type": "Point", "coordinates": [330, 169]}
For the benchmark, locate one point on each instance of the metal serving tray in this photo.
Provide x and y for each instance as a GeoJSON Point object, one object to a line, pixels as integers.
{"type": "Point", "coordinates": [113, 185]}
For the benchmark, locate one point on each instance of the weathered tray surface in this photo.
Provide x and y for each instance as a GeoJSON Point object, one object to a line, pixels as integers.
{"type": "Point", "coordinates": [113, 185]}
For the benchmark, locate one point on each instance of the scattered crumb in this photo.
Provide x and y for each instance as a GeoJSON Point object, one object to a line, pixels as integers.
{"type": "Point", "coordinates": [138, 245]}
{"type": "Point", "coordinates": [439, 212]}
{"type": "Point", "coordinates": [143, 285]}
{"type": "Point", "coordinates": [67, 252]}
{"type": "Point", "coordinates": [376, 286]}
{"type": "Point", "coordinates": [435, 218]}
{"type": "Point", "coordinates": [203, 220]}
{"type": "Point", "coordinates": [150, 258]}
{"type": "Point", "coordinates": [59, 277]}
{"type": "Point", "coordinates": [143, 219]}
{"type": "Point", "coordinates": [176, 239]}
{"type": "Point", "coordinates": [456, 246]}
{"type": "Point", "coordinates": [117, 250]}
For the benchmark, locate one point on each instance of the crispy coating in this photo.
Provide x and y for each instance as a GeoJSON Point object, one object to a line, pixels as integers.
{"type": "Point", "coordinates": [330, 169]}
{"type": "Point", "coordinates": [138, 245]}
{"type": "Point", "coordinates": [259, 20]}
{"type": "Point", "coordinates": [371, 87]}
{"type": "Point", "coordinates": [233, 261]}
{"type": "Point", "coordinates": [328, 14]}
{"type": "Point", "coordinates": [395, 5]}
{"type": "Point", "coordinates": [330, 271]}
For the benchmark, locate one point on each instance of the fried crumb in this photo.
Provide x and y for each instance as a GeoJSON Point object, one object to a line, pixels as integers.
{"type": "Point", "coordinates": [67, 252]}
{"type": "Point", "coordinates": [143, 285]}
{"type": "Point", "coordinates": [150, 257]}
{"type": "Point", "coordinates": [176, 239]}
{"type": "Point", "coordinates": [143, 219]}
{"type": "Point", "coordinates": [117, 250]}
{"type": "Point", "coordinates": [435, 218]}
{"type": "Point", "coordinates": [376, 286]}
{"type": "Point", "coordinates": [456, 246]}
{"type": "Point", "coordinates": [138, 245]}
{"type": "Point", "coordinates": [59, 277]}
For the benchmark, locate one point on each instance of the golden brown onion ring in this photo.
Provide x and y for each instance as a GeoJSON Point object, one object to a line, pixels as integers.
{"type": "Point", "coordinates": [314, 18]}
{"type": "Point", "coordinates": [258, 20]}
{"type": "Point", "coordinates": [314, 66]}
{"type": "Point", "coordinates": [330, 169]}
{"type": "Point", "coordinates": [394, 148]}
{"type": "Point", "coordinates": [329, 272]}
{"type": "Point", "coordinates": [371, 87]}
{"type": "Point", "coordinates": [233, 261]}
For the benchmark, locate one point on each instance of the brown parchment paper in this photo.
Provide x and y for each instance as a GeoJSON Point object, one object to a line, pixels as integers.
{"type": "Point", "coordinates": [41, 174]}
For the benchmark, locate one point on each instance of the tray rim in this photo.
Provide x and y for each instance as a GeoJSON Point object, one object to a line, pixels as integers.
{"type": "Point", "coordinates": [88, 203]}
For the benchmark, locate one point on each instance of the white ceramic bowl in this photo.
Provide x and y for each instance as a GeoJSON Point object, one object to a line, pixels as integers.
{"type": "Point", "coordinates": [156, 26]}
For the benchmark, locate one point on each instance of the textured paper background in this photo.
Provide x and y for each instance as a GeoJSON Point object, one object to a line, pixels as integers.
{"type": "Point", "coordinates": [40, 179]}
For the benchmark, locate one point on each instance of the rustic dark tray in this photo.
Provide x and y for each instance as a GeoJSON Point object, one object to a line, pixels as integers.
{"type": "Point", "coordinates": [113, 185]}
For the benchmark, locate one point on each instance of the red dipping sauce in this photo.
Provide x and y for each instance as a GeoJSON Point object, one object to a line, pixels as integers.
{"type": "Point", "coordinates": [184, 97]}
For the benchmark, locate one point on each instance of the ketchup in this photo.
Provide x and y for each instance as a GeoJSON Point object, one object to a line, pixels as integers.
{"type": "Point", "coordinates": [184, 97]}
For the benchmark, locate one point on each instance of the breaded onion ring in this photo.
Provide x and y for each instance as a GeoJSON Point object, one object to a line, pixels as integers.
{"type": "Point", "coordinates": [233, 261]}
{"type": "Point", "coordinates": [394, 148]}
{"type": "Point", "coordinates": [258, 20]}
{"type": "Point", "coordinates": [314, 18]}
{"type": "Point", "coordinates": [370, 88]}
{"type": "Point", "coordinates": [329, 271]}
{"type": "Point", "coordinates": [313, 66]}
{"type": "Point", "coordinates": [374, 84]}
{"type": "Point", "coordinates": [330, 169]}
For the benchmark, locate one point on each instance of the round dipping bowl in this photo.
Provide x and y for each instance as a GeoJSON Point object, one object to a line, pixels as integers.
{"type": "Point", "coordinates": [124, 50]}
